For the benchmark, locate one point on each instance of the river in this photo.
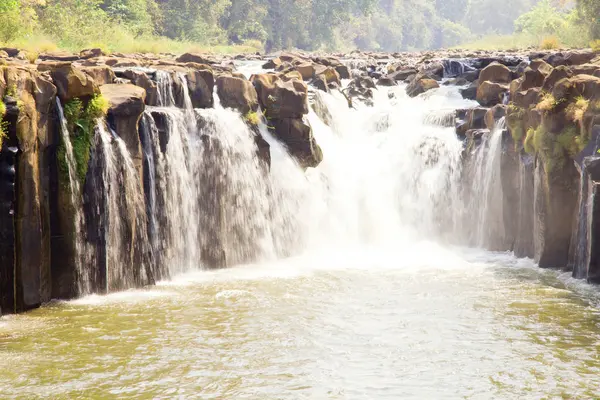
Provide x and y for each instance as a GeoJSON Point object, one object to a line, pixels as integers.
{"type": "Point", "coordinates": [420, 322]}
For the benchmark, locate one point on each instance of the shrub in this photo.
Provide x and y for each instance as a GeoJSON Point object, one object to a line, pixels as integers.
{"type": "Point", "coordinates": [595, 45]}
{"type": "Point", "coordinates": [3, 124]}
{"type": "Point", "coordinates": [81, 122]}
{"type": "Point", "coordinates": [528, 143]}
{"type": "Point", "coordinates": [252, 118]}
{"type": "Point", "coordinates": [550, 43]}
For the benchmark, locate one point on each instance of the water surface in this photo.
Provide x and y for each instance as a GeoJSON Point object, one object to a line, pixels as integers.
{"type": "Point", "coordinates": [408, 322]}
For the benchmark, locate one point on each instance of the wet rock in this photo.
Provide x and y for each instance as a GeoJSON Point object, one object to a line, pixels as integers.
{"type": "Point", "coordinates": [31, 133]}
{"type": "Point", "coordinates": [127, 103]}
{"type": "Point", "coordinates": [200, 84]}
{"type": "Point", "coordinates": [297, 135]}
{"type": "Point", "coordinates": [421, 85]}
{"type": "Point", "coordinates": [386, 81]}
{"type": "Point", "coordinates": [470, 93]}
{"type": "Point", "coordinates": [281, 99]}
{"type": "Point", "coordinates": [493, 115]}
{"type": "Point", "coordinates": [555, 202]}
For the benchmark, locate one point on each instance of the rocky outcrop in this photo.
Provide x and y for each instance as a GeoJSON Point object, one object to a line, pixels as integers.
{"type": "Point", "coordinates": [30, 99]}
{"type": "Point", "coordinates": [285, 104]}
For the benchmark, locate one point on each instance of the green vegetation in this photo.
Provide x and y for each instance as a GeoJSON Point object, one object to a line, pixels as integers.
{"type": "Point", "coordinates": [252, 118]}
{"type": "Point", "coordinates": [249, 25]}
{"type": "Point", "coordinates": [548, 102]}
{"type": "Point", "coordinates": [514, 117]}
{"type": "Point", "coordinates": [575, 111]}
{"type": "Point", "coordinates": [3, 124]}
{"type": "Point", "coordinates": [528, 143]}
{"type": "Point", "coordinates": [554, 149]}
{"type": "Point", "coordinates": [549, 24]}
{"type": "Point", "coordinates": [80, 123]}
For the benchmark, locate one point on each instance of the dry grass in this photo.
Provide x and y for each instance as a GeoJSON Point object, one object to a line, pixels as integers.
{"type": "Point", "coordinates": [550, 43]}
{"type": "Point", "coordinates": [548, 103]}
{"type": "Point", "coordinates": [122, 42]}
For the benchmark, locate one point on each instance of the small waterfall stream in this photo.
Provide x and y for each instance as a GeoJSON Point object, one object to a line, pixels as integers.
{"type": "Point", "coordinates": [82, 256]}
{"type": "Point", "coordinates": [484, 222]}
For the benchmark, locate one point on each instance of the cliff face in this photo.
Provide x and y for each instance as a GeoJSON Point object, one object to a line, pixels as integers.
{"type": "Point", "coordinates": [547, 171]}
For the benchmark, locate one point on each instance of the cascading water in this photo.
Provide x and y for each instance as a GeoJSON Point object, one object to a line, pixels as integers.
{"type": "Point", "coordinates": [484, 219]}
{"type": "Point", "coordinates": [164, 84]}
{"type": "Point", "coordinates": [82, 259]}
{"type": "Point", "coordinates": [124, 257]}
{"type": "Point", "coordinates": [386, 174]}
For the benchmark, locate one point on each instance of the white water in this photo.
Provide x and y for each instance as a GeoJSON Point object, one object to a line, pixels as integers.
{"type": "Point", "coordinates": [82, 258]}
{"type": "Point", "coordinates": [126, 243]}
{"type": "Point", "coordinates": [485, 213]}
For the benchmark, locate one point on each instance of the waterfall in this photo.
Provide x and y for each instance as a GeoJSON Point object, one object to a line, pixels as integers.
{"type": "Point", "coordinates": [164, 84]}
{"type": "Point", "coordinates": [380, 182]}
{"type": "Point", "coordinates": [484, 218]}
{"type": "Point", "coordinates": [82, 260]}
{"type": "Point", "coordinates": [124, 256]}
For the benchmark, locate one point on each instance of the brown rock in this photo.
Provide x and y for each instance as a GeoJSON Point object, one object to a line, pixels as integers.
{"type": "Point", "coordinates": [497, 73]}
{"type": "Point", "coordinates": [71, 82]}
{"type": "Point", "coordinates": [238, 94]}
{"type": "Point", "coordinates": [491, 93]}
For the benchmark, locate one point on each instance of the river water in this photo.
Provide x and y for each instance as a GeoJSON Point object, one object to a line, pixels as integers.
{"type": "Point", "coordinates": [420, 322]}
{"type": "Point", "coordinates": [370, 300]}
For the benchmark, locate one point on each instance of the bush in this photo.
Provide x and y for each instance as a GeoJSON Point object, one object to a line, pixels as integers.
{"type": "Point", "coordinates": [3, 124]}
{"type": "Point", "coordinates": [550, 43]}
{"type": "Point", "coordinates": [595, 45]}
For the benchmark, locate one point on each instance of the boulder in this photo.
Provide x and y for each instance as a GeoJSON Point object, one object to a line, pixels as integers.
{"type": "Point", "coordinates": [196, 58]}
{"type": "Point", "coordinates": [342, 71]}
{"type": "Point", "coordinates": [296, 134]}
{"type": "Point", "coordinates": [91, 53]}
{"type": "Point", "coordinates": [493, 115]}
{"type": "Point", "coordinates": [273, 63]}
{"type": "Point", "coordinates": [142, 80]}
{"type": "Point", "coordinates": [386, 81]}
{"type": "Point", "coordinates": [532, 78]}
{"type": "Point", "coordinates": [306, 70]}
{"type": "Point", "coordinates": [330, 74]}
{"type": "Point", "coordinates": [72, 82]}
{"type": "Point", "coordinates": [496, 72]}
{"type": "Point", "coordinates": [554, 76]}
{"type": "Point", "coordinates": [281, 99]}
{"type": "Point", "coordinates": [421, 85]}
{"type": "Point", "coordinates": [100, 75]}
{"type": "Point", "coordinates": [238, 94]}
{"type": "Point", "coordinates": [200, 84]}
{"type": "Point", "coordinates": [58, 56]}
{"type": "Point", "coordinates": [470, 93]}
{"type": "Point", "coordinates": [403, 74]}
{"type": "Point", "coordinates": [491, 93]}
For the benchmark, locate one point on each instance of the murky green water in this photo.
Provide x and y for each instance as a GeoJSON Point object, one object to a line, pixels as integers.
{"type": "Point", "coordinates": [372, 324]}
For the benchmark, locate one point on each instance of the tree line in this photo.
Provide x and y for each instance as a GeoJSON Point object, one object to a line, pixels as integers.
{"type": "Point", "coordinates": [387, 25]}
